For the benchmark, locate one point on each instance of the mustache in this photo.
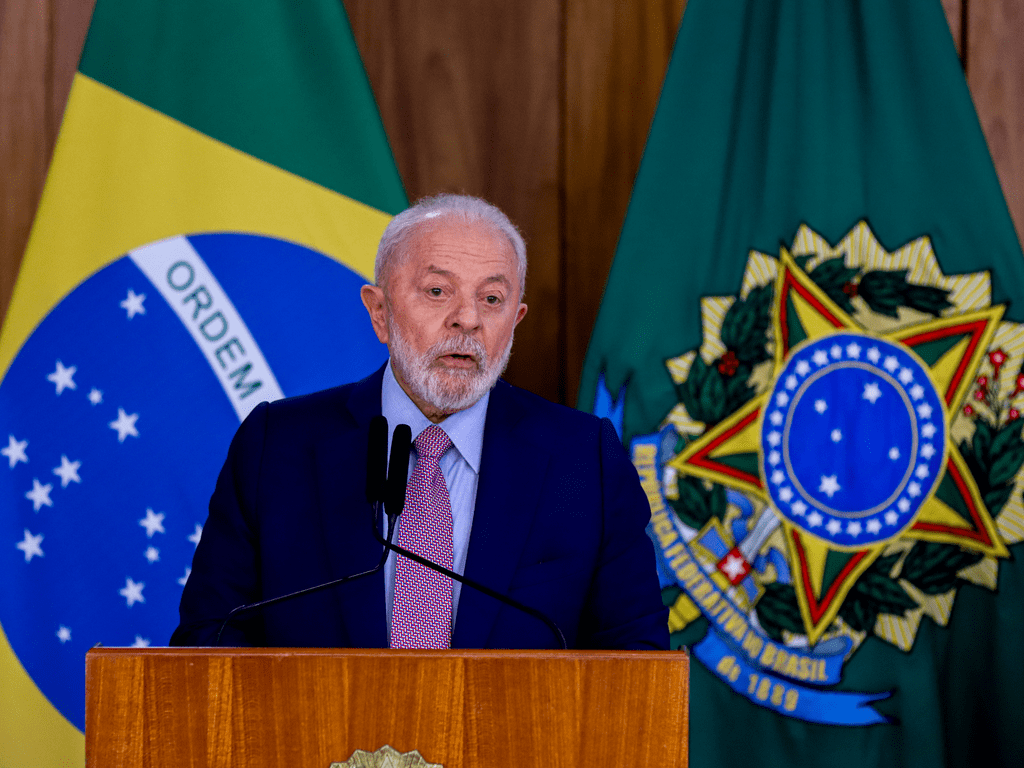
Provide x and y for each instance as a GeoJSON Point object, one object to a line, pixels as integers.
{"type": "Point", "coordinates": [458, 345]}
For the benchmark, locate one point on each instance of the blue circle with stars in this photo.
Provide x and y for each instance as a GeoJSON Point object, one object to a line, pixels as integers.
{"type": "Point", "coordinates": [113, 427]}
{"type": "Point", "coordinates": [853, 439]}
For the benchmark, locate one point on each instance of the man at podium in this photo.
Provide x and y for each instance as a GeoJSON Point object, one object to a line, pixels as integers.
{"type": "Point", "coordinates": [534, 500]}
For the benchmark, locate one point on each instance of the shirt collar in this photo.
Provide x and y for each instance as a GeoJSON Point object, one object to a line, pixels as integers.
{"type": "Point", "coordinates": [465, 428]}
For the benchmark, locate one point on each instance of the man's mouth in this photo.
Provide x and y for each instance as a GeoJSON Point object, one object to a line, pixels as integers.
{"type": "Point", "coordinates": [458, 360]}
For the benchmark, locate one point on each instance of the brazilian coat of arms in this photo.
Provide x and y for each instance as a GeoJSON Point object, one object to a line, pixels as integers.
{"type": "Point", "coordinates": [845, 453]}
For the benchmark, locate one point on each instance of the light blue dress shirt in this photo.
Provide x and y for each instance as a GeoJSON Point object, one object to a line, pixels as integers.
{"type": "Point", "coordinates": [460, 466]}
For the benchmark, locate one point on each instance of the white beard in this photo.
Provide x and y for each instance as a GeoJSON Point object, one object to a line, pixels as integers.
{"type": "Point", "coordinates": [446, 389]}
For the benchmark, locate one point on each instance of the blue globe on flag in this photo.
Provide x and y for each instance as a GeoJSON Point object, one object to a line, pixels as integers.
{"type": "Point", "coordinates": [116, 415]}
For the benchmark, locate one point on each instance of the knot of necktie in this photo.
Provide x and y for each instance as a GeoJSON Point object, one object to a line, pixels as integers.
{"type": "Point", "coordinates": [432, 442]}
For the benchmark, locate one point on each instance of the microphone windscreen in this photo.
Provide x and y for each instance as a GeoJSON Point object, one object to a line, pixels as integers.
{"type": "Point", "coordinates": [398, 470]}
{"type": "Point", "coordinates": [376, 460]}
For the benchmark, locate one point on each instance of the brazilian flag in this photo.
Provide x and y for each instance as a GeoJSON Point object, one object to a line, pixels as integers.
{"type": "Point", "coordinates": [218, 189]}
{"type": "Point", "coordinates": [812, 341]}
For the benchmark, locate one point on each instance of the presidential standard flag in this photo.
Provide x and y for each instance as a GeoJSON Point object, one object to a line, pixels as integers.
{"type": "Point", "coordinates": [811, 340]}
{"type": "Point", "coordinates": [217, 192]}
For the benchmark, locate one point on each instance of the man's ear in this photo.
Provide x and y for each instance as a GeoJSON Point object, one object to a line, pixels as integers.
{"type": "Point", "coordinates": [373, 300]}
{"type": "Point", "coordinates": [520, 313]}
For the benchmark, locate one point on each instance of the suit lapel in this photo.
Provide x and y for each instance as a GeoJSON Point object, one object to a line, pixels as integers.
{"type": "Point", "coordinates": [346, 516]}
{"type": "Point", "coordinates": [506, 503]}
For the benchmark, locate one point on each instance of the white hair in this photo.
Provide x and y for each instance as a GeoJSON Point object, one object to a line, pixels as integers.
{"type": "Point", "coordinates": [464, 208]}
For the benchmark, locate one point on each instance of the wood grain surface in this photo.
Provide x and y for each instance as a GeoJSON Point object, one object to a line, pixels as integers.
{"type": "Point", "coordinates": [542, 106]}
{"type": "Point", "coordinates": [466, 709]}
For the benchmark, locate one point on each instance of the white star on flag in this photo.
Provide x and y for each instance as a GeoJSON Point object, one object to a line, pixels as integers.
{"type": "Point", "coordinates": [853, 528]}
{"type": "Point", "coordinates": [904, 505]}
{"type": "Point", "coordinates": [95, 396]}
{"type": "Point", "coordinates": [873, 525]}
{"type": "Point", "coordinates": [914, 490]}
{"type": "Point", "coordinates": [62, 377]}
{"type": "Point", "coordinates": [786, 494]}
{"type": "Point", "coordinates": [63, 634]}
{"type": "Point", "coordinates": [39, 495]}
{"type": "Point", "coordinates": [924, 411]}
{"type": "Point", "coordinates": [836, 351]}
{"type": "Point", "coordinates": [917, 391]}
{"type": "Point", "coordinates": [820, 357]}
{"type": "Point", "coordinates": [836, 435]}
{"type": "Point", "coordinates": [153, 522]}
{"type": "Point", "coordinates": [152, 554]}
{"type": "Point", "coordinates": [820, 406]}
{"type": "Point", "coordinates": [829, 485]}
{"type": "Point", "coordinates": [834, 527]}
{"type": "Point", "coordinates": [133, 304]}
{"type": "Point", "coordinates": [196, 535]}
{"type": "Point", "coordinates": [775, 417]}
{"type": "Point", "coordinates": [778, 476]}
{"type": "Point", "coordinates": [30, 545]}
{"type": "Point", "coordinates": [853, 350]}
{"type": "Point", "coordinates": [15, 451]}
{"type": "Point", "coordinates": [906, 376]}
{"type": "Point", "coordinates": [140, 642]}
{"type": "Point", "coordinates": [799, 508]}
{"type": "Point", "coordinates": [814, 519]}
{"type": "Point", "coordinates": [891, 364]}
{"type": "Point", "coordinates": [774, 438]}
{"type": "Point", "coordinates": [874, 355]}
{"type": "Point", "coordinates": [791, 381]}
{"type": "Point", "coordinates": [184, 579]}
{"type": "Point", "coordinates": [872, 392]}
{"type": "Point", "coordinates": [733, 567]}
{"type": "Point", "coordinates": [803, 368]}
{"type": "Point", "coordinates": [774, 457]}
{"type": "Point", "coordinates": [928, 431]}
{"type": "Point", "coordinates": [922, 471]}
{"type": "Point", "coordinates": [67, 471]}
{"type": "Point", "coordinates": [781, 399]}
{"type": "Point", "coordinates": [891, 517]}
{"type": "Point", "coordinates": [927, 450]}
{"type": "Point", "coordinates": [125, 425]}
{"type": "Point", "coordinates": [132, 592]}
{"type": "Point", "coordinates": [894, 453]}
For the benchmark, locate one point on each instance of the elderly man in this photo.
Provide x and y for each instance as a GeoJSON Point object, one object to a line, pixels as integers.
{"type": "Point", "coordinates": [534, 500]}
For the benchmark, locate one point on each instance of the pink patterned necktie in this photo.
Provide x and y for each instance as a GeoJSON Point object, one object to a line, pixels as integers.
{"type": "Point", "coordinates": [422, 612]}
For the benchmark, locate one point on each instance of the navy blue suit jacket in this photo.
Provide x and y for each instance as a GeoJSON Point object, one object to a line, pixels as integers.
{"type": "Point", "coordinates": [558, 524]}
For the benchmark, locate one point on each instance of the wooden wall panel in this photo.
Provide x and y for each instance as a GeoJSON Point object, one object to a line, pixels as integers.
{"type": "Point", "coordinates": [469, 96]}
{"type": "Point", "coordinates": [25, 127]}
{"type": "Point", "coordinates": [995, 73]}
{"type": "Point", "coordinates": [616, 58]}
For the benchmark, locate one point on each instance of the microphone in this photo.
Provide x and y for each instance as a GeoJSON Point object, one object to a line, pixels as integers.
{"type": "Point", "coordinates": [378, 488]}
{"type": "Point", "coordinates": [398, 470]}
{"type": "Point", "coordinates": [395, 501]}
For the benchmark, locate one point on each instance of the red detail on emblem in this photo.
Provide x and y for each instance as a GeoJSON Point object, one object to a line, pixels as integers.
{"type": "Point", "coordinates": [974, 329]}
{"type": "Point", "coordinates": [701, 459]}
{"type": "Point", "coordinates": [968, 410]}
{"type": "Point", "coordinates": [728, 363]}
{"type": "Point", "coordinates": [815, 608]}
{"type": "Point", "coordinates": [850, 289]}
{"type": "Point", "coordinates": [1014, 414]}
{"type": "Point", "coordinates": [734, 565]}
{"type": "Point", "coordinates": [997, 357]}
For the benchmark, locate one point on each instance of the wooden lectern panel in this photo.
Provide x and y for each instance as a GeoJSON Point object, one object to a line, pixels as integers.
{"type": "Point", "coordinates": [309, 708]}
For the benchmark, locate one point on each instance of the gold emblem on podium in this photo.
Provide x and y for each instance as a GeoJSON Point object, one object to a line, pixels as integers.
{"type": "Point", "coordinates": [386, 757]}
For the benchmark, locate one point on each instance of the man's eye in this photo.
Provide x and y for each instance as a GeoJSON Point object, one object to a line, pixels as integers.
{"type": "Point", "coordinates": [493, 300]}
{"type": "Point", "coordinates": [434, 291]}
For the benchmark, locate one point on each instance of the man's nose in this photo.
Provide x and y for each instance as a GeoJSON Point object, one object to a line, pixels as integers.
{"type": "Point", "coordinates": [465, 316]}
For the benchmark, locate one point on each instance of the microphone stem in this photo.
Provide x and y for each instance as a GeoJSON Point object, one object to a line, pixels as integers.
{"type": "Point", "coordinates": [463, 580]}
{"type": "Point", "coordinates": [310, 590]}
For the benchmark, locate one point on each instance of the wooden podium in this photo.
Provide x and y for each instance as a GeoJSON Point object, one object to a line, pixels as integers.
{"type": "Point", "coordinates": [308, 708]}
